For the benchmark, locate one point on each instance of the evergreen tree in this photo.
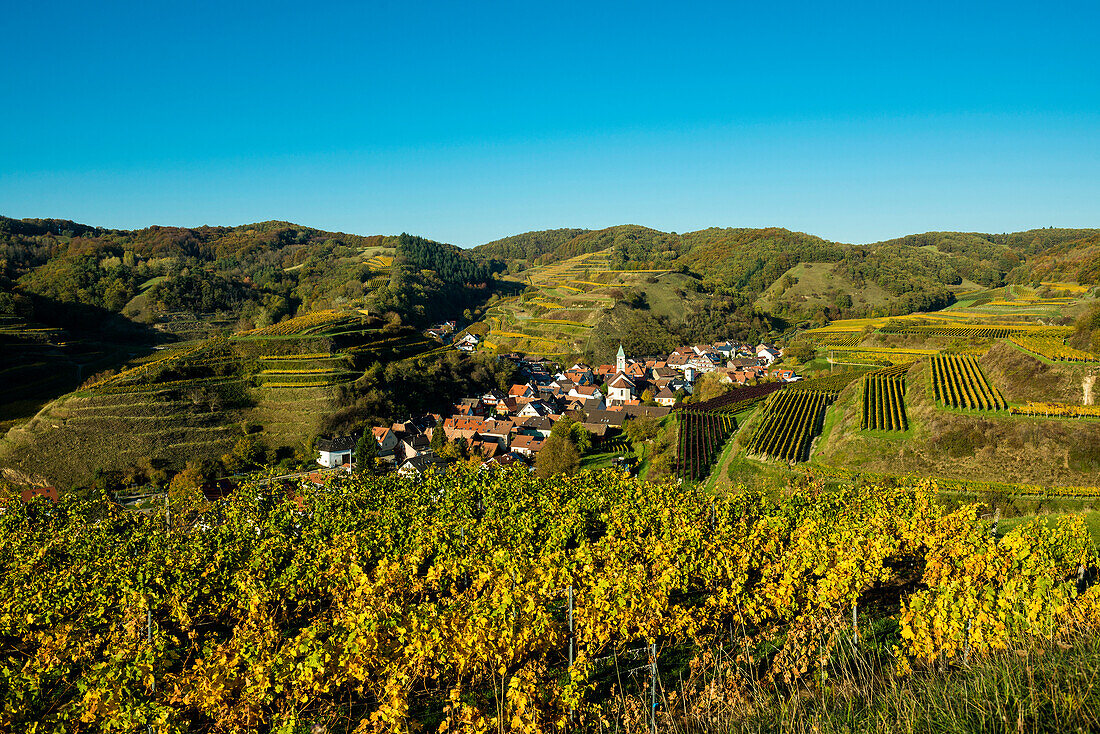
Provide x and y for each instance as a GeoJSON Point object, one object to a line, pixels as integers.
{"type": "Point", "coordinates": [366, 451]}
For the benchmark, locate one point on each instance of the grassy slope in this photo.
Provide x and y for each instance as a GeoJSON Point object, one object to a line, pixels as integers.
{"type": "Point", "coordinates": [1023, 378]}
{"type": "Point", "coordinates": [815, 280]}
{"type": "Point", "coordinates": [576, 290]}
{"type": "Point", "coordinates": [991, 447]}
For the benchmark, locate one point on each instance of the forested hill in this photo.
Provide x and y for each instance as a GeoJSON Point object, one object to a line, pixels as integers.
{"type": "Point", "coordinates": [530, 248]}
{"type": "Point", "coordinates": [257, 273]}
{"type": "Point", "coordinates": [260, 273]}
{"type": "Point", "coordinates": [915, 272]}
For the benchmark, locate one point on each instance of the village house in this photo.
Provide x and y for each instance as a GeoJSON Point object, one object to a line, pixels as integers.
{"type": "Point", "coordinates": [468, 343]}
{"type": "Point", "coordinates": [665, 397]}
{"type": "Point", "coordinates": [386, 440]}
{"type": "Point", "coordinates": [494, 396]}
{"type": "Point", "coordinates": [333, 452]}
{"type": "Point", "coordinates": [422, 464]}
{"type": "Point", "coordinates": [538, 426]}
{"type": "Point", "coordinates": [411, 446]}
{"type": "Point", "coordinates": [522, 391]}
{"type": "Point", "coordinates": [499, 432]}
{"type": "Point", "coordinates": [620, 389]}
{"type": "Point", "coordinates": [527, 445]}
{"type": "Point", "coordinates": [585, 391]}
{"type": "Point", "coordinates": [767, 353]}
{"type": "Point", "coordinates": [535, 409]}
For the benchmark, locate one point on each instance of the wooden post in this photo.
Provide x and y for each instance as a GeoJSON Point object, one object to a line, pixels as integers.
{"type": "Point", "coordinates": [572, 643]}
{"type": "Point", "coordinates": [653, 687]}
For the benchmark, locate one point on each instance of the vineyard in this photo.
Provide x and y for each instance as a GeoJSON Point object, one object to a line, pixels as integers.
{"type": "Point", "coordinates": [884, 403]}
{"type": "Point", "coordinates": [1053, 348]}
{"type": "Point", "coordinates": [308, 324]}
{"type": "Point", "coordinates": [1057, 410]}
{"type": "Point", "coordinates": [738, 399]}
{"type": "Point", "coordinates": [705, 427]}
{"type": "Point", "coordinates": [498, 602]}
{"type": "Point", "coordinates": [831, 382]}
{"type": "Point", "coordinates": [838, 338]}
{"type": "Point", "coordinates": [791, 421]}
{"type": "Point", "coordinates": [980, 332]}
{"type": "Point", "coordinates": [958, 382]}
{"type": "Point", "coordinates": [700, 440]}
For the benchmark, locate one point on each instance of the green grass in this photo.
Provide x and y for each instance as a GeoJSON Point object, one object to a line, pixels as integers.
{"type": "Point", "coordinates": [1048, 686]}
{"type": "Point", "coordinates": [1091, 518]}
{"type": "Point", "coordinates": [601, 460]}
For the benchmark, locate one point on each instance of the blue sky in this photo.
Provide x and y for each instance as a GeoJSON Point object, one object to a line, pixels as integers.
{"type": "Point", "coordinates": [465, 122]}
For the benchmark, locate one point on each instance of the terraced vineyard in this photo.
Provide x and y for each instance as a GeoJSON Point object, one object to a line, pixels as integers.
{"type": "Point", "coordinates": [884, 403]}
{"type": "Point", "coordinates": [832, 382]}
{"type": "Point", "coordinates": [958, 382]}
{"type": "Point", "coordinates": [974, 332]}
{"type": "Point", "coordinates": [838, 338]}
{"type": "Point", "coordinates": [1057, 410]}
{"type": "Point", "coordinates": [1053, 348]}
{"type": "Point", "coordinates": [791, 421]}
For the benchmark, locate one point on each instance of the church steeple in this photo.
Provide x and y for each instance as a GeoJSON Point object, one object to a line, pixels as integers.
{"type": "Point", "coordinates": [620, 359]}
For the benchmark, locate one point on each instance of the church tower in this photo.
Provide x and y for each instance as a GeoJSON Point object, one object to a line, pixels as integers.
{"type": "Point", "coordinates": [620, 359]}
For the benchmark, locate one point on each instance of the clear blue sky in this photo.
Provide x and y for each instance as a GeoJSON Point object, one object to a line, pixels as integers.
{"type": "Point", "coordinates": [465, 122]}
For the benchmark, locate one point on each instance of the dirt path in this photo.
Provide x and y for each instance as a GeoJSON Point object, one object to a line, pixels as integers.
{"type": "Point", "coordinates": [1087, 386]}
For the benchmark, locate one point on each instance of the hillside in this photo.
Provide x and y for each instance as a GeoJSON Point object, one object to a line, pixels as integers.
{"type": "Point", "coordinates": [80, 299]}
{"type": "Point", "coordinates": [257, 397]}
{"type": "Point", "coordinates": [239, 344]}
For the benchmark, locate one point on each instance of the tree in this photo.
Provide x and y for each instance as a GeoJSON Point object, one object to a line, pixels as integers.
{"type": "Point", "coordinates": [185, 489]}
{"type": "Point", "coordinates": [557, 456]}
{"type": "Point", "coordinates": [439, 439]}
{"type": "Point", "coordinates": [709, 386]}
{"type": "Point", "coordinates": [571, 430]}
{"type": "Point", "coordinates": [642, 428]}
{"type": "Point", "coordinates": [800, 351]}
{"type": "Point", "coordinates": [366, 451]}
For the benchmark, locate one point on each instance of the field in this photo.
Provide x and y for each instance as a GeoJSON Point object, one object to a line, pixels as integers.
{"type": "Point", "coordinates": [569, 603]}
{"type": "Point", "coordinates": [971, 446]}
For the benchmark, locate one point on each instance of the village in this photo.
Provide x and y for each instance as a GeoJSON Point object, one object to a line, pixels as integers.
{"type": "Point", "coordinates": [504, 427]}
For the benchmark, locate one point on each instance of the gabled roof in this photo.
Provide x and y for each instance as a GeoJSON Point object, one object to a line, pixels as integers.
{"type": "Point", "coordinates": [621, 380]}
{"type": "Point", "coordinates": [49, 493]}
{"type": "Point", "coordinates": [531, 443]}
{"type": "Point", "coordinates": [497, 428]}
{"type": "Point", "coordinates": [538, 407]}
{"type": "Point", "coordinates": [337, 443]}
{"type": "Point", "coordinates": [606, 417]}
{"type": "Point", "coordinates": [423, 462]}
{"type": "Point", "coordinates": [536, 423]}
